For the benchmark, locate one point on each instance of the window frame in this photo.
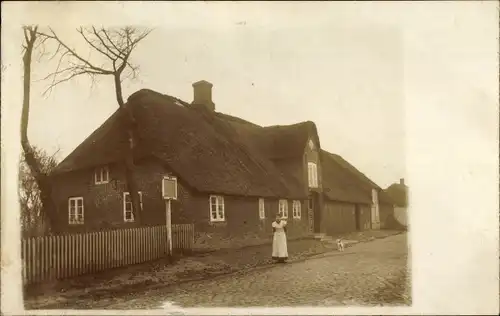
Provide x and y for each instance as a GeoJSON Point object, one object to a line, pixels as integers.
{"type": "Point", "coordinates": [73, 220]}
{"type": "Point", "coordinates": [296, 209]}
{"type": "Point", "coordinates": [132, 219]}
{"type": "Point", "coordinates": [312, 174]}
{"type": "Point", "coordinates": [262, 208]}
{"type": "Point", "coordinates": [285, 209]}
{"type": "Point", "coordinates": [219, 201]}
{"type": "Point", "coordinates": [101, 171]}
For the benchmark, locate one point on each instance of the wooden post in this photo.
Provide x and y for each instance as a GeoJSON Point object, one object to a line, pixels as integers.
{"type": "Point", "coordinates": [169, 227]}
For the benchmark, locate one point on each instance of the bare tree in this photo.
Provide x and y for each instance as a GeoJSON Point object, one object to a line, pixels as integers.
{"type": "Point", "coordinates": [114, 47]}
{"type": "Point", "coordinates": [32, 220]}
{"type": "Point", "coordinates": [41, 177]}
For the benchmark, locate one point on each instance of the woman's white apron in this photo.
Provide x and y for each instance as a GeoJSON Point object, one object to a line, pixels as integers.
{"type": "Point", "coordinates": [279, 241]}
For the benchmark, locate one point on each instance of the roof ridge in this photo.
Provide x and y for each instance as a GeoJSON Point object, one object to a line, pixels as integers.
{"type": "Point", "coordinates": [290, 125]}
{"type": "Point", "coordinates": [83, 142]}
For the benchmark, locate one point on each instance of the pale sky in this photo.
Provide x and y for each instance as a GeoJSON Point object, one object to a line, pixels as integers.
{"type": "Point", "coordinates": [343, 70]}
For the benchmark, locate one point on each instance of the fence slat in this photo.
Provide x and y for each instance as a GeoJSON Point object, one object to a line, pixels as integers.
{"type": "Point", "coordinates": [83, 248]}
{"type": "Point", "coordinates": [23, 245]}
{"type": "Point", "coordinates": [64, 256]}
{"type": "Point", "coordinates": [93, 258]}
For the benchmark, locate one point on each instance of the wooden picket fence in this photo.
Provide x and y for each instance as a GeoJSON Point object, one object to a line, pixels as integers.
{"type": "Point", "coordinates": [57, 257]}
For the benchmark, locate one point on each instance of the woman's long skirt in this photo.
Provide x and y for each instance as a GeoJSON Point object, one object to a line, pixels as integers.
{"type": "Point", "coordinates": [280, 251]}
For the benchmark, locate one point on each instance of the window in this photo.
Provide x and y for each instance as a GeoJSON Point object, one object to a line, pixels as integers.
{"type": "Point", "coordinates": [283, 208]}
{"type": "Point", "coordinates": [75, 210]}
{"type": "Point", "coordinates": [312, 172]}
{"type": "Point", "coordinates": [128, 214]}
{"type": "Point", "coordinates": [296, 210]}
{"type": "Point", "coordinates": [101, 175]}
{"type": "Point", "coordinates": [217, 208]}
{"type": "Point", "coordinates": [262, 211]}
{"type": "Point", "coordinates": [311, 144]}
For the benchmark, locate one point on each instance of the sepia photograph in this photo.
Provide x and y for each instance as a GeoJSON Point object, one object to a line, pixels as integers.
{"type": "Point", "coordinates": [255, 159]}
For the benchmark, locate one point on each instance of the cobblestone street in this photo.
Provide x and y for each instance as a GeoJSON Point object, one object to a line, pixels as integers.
{"type": "Point", "coordinates": [357, 276]}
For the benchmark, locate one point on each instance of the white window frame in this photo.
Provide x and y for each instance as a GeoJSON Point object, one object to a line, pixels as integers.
{"type": "Point", "coordinates": [73, 211]}
{"type": "Point", "coordinates": [125, 211]}
{"type": "Point", "coordinates": [219, 202]}
{"type": "Point", "coordinates": [312, 174]}
{"type": "Point", "coordinates": [283, 208]}
{"type": "Point", "coordinates": [296, 209]}
{"type": "Point", "coordinates": [262, 209]}
{"type": "Point", "coordinates": [99, 174]}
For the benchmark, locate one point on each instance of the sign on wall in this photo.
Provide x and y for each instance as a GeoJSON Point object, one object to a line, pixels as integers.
{"type": "Point", "coordinates": [169, 188]}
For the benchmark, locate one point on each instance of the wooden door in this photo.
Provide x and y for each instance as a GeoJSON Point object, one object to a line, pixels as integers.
{"type": "Point", "coordinates": [310, 214]}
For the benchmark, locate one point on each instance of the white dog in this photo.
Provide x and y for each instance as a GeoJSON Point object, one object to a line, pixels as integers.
{"type": "Point", "coordinates": [340, 244]}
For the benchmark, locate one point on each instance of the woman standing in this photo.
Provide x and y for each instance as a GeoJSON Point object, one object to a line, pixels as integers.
{"type": "Point", "coordinates": [280, 251]}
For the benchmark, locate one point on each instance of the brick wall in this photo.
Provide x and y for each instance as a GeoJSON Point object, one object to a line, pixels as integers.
{"type": "Point", "coordinates": [312, 155]}
{"type": "Point", "coordinates": [103, 207]}
{"type": "Point", "coordinates": [242, 225]}
{"type": "Point", "coordinates": [103, 203]}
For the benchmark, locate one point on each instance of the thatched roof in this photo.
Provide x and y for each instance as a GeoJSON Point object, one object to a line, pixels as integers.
{"type": "Point", "coordinates": [210, 151]}
{"type": "Point", "coordinates": [217, 153]}
{"type": "Point", "coordinates": [339, 184]}
{"type": "Point", "coordinates": [363, 183]}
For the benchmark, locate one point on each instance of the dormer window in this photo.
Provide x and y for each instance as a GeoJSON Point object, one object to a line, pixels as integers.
{"type": "Point", "coordinates": [312, 173]}
{"type": "Point", "coordinates": [311, 144]}
{"type": "Point", "coordinates": [101, 175]}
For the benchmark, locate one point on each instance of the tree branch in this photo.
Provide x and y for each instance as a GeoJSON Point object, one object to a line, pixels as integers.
{"type": "Point", "coordinates": [74, 54]}
{"type": "Point", "coordinates": [93, 45]}
{"type": "Point", "coordinates": [105, 45]}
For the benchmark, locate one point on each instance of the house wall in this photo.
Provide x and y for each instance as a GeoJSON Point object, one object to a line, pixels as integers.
{"type": "Point", "coordinates": [339, 217]}
{"type": "Point", "coordinates": [312, 155]}
{"type": "Point", "coordinates": [401, 215]}
{"type": "Point", "coordinates": [103, 203]}
{"type": "Point", "coordinates": [242, 225]}
{"type": "Point", "coordinates": [103, 207]}
{"type": "Point", "coordinates": [365, 217]}
{"type": "Point", "coordinates": [375, 212]}
{"type": "Point", "coordinates": [396, 218]}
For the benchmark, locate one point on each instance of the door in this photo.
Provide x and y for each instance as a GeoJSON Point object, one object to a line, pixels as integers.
{"type": "Point", "coordinates": [314, 206]}
{"type": "Point", "coordinates": [310, 214]}
{"type": "Point", "coordinates": [357, 217]}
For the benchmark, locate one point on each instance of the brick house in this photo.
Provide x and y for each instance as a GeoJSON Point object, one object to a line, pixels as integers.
{"type": "Point", "coordinates": [233, 176]}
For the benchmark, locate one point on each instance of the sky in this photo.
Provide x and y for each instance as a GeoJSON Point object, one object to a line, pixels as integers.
{"type": "Point", "coordinates": [345, 71]}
